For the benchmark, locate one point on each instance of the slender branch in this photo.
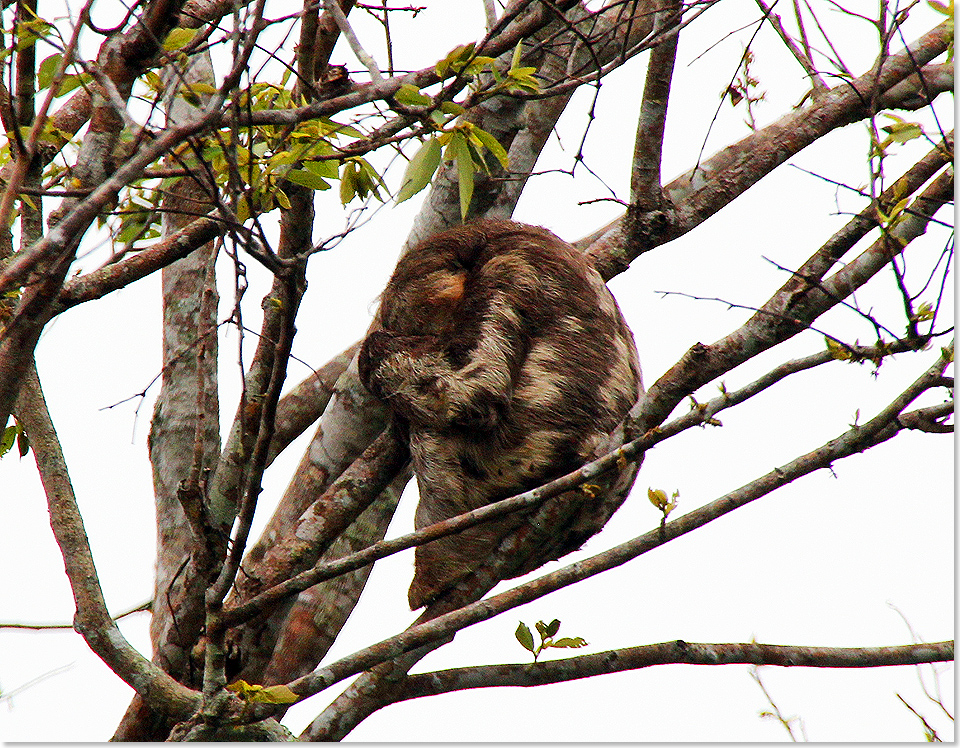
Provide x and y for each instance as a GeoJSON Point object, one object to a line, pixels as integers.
{"type": "Point", "coordinates": [333, 8]}
{"type": "Point", "coordinates": [499, 43]}
{"type": "Point", "coordinates": [892, 242]}
{"type": "Point", "coordinates": [846, 238]}
{"type": "Point", "coordinates": [669, 653]}
{"type": "Point", "coordinates": [325, 39]}
{"type": "Point", "coordinates": [788, 312]}
{"type": "Point", "coordinates": [141, 608]}
{"type": "Point", "coordinates": [118, 275]}
{"type": "Point", "coordinates": [801, 56]}
{"type": "Point", "coordinates": [704, 413]}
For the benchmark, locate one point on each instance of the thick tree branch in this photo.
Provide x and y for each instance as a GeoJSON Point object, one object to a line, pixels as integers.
{"type": "Point", "coordinates": [333, 8]}
{"type": "Point", "coordinates": [184, 439]}
{"type": "Point", "coordinates": [92, 620]}
{"type": "Point", "coordinates": [319, 612]}
{"type": "Point", "coordinates": [329, 515]}
{"type": "Point", "coordinates": [305, 403]}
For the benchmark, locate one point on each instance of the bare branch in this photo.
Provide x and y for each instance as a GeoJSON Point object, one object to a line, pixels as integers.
{"type": "Point", "coordinates": [333, 8]}
{"type": "Point", "coordinates": [787, 312]}
{"type": "Point", "coordinates": [112, 277]}
{"type": "Point", "coordinates": [801, 56]}
{"type": "Point", "coordinates": [646, 192]}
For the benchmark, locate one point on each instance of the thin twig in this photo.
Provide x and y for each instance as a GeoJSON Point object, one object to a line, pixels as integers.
{"type": "Point", "coordinates": [333, 8]}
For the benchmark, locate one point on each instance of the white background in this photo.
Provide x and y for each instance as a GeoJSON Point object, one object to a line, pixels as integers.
{"type": "Point", "coordinates": [820, 562]}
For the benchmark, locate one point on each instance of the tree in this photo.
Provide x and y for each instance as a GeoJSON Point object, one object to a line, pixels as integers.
{"type": "Point", "coordinates": [211, 148]}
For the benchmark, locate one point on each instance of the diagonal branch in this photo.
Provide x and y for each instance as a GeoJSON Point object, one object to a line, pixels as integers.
{"type": "Point", "coordinates": [706, 189]}
{"type": "Point", "coordinates": [92, 620]}
{"type": "Point", "coordinates": [882, 427]}
{"type": "Point", "coordinates": [118, 275]}
{"type": "Point", "coordinates": [789, 311]}
{"type": "Point", "coordinates": [333, 8]}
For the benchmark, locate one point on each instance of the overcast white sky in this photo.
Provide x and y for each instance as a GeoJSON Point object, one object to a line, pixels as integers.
{"type": "Point", "coordinates": [818, 563]}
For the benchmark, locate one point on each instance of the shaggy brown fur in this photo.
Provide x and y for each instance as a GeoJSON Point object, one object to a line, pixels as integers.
{"type": "Point", "coordinates": [508, 359]}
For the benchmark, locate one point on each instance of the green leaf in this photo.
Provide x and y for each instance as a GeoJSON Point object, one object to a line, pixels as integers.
{"type": "Point", "coordinates": [517, 54]}
{"type": "Point", "coordinates": [478, 63]}
{"type": "Point", "coordinates": [570, 642]}
{"type": "Point", "coordinates": [455, 60]}
{"type": "Point", "coordinates": [924, 312]}
{"type": "Point", "coordinates": [153, 81]}
{"type": "Point", "coordinates": [328, 168]}
{"type": "Point", "coordinates": [307, 179]}
{"type": "Point", "coordinates": [459, 149]}
{"type": "Point", "coordinates": [493, 145]}
{"type": "Point", "coordinates": [451, 107]}
{"type": "Point", "coordinates": [836, 350]}
{"type": "Point", "coordinates": [29, 32]}
{"type": "Point", "coordinates": [420, 170]}
{"type": "Point", "coordinates": [10, 436]}
{"type": "Point", "coordinates": [203, 88]}
{"type": "Point", "coordinates": [348, 185]}
{"type": "Point", "coordinates": [410, 95]}
{"type": "Point", "coordinates": [902, 132]}
{"type": "Point", "coordinates": [525, 637]}
{"type": "Point", "coordinates": [275, 695]}
{"type": "Point", "coordinates": [243, 209]}
{"type": "Point", "coordinates": [46, 70]}
{"type": "Point", "coordinates": [129, 229]}
{"type": "Point", "coordinates": [367, 179]}
{"type": "Point", "coordinates": [178, 38]}
{"type": "Point", "coordinates": [551, 628]}
{"type": "Point", "coordinates": [658, 497]}
{"type": "Point", "coordinates": [278, 694]}
{"type": "Point", "coordinates": [339, 129]}
{"type": "Point", "coordinates": [72, 81]}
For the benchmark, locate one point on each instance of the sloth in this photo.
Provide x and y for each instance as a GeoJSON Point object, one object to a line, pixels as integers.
{"type": "Point", "coordinates": [507, 363]}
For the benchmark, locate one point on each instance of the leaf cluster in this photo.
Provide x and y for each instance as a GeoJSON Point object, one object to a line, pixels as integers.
{"type": "Point", "coordinates": [546, 632]}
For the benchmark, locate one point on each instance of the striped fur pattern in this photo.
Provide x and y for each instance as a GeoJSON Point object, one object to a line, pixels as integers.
{"type": "Point", "coordinates": [505, 355]}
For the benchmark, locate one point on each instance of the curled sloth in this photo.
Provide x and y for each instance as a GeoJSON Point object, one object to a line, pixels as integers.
{"type": "Point", "coordinates": [504, 354]}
